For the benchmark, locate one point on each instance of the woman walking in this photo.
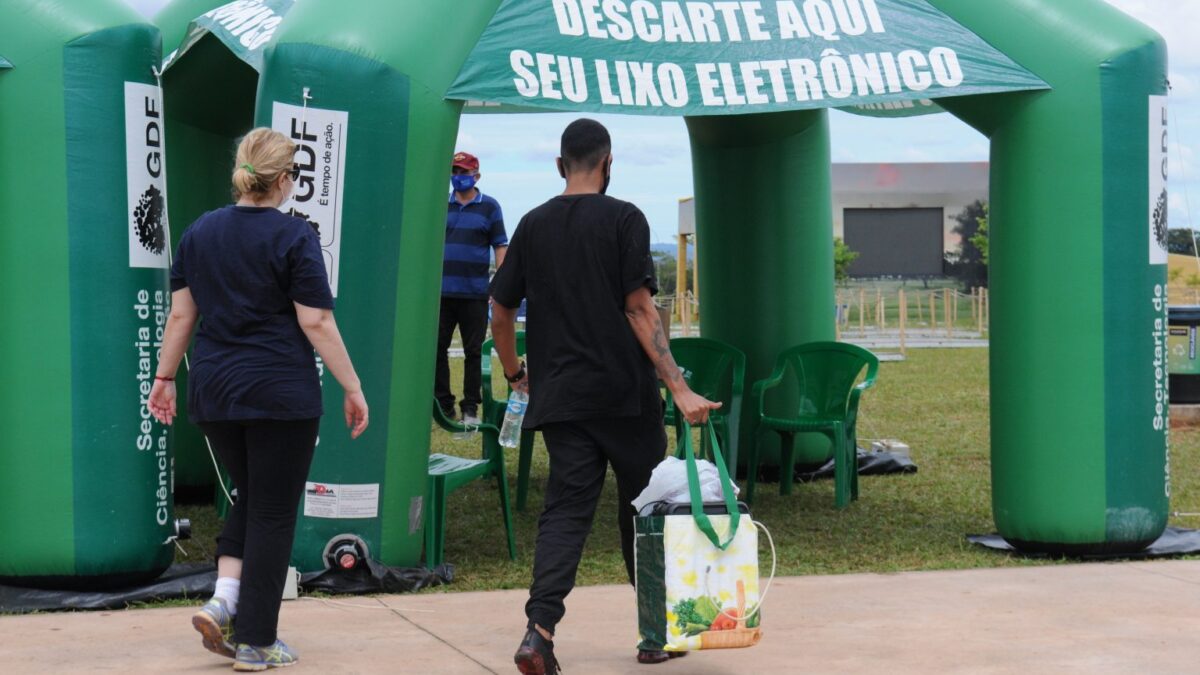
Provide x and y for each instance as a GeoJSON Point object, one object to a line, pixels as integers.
{"type": "Point", "coordinates": [256, 279]}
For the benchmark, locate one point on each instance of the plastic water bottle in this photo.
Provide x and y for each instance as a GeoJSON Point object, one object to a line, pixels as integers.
{"type": "Point", "coordinates": [514, 414]}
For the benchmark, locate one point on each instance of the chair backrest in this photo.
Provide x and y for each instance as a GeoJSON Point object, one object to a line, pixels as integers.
{"type": "Point", "coordinates": [490, 433]}
{"type": "Point", "coordinates": [490, 403]}
{"type": "Point", "coordinates": [826, 373]}
{"type": "Point", "coordinates": [713, 369]}
{"type": "Point", "coordinates": [444, 422]}
{"type": "Point", "coordinates": [490, 344]}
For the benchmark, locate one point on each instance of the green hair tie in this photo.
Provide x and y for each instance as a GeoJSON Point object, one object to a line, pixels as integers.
{"type": "Point", "coordinates": [249, 167]}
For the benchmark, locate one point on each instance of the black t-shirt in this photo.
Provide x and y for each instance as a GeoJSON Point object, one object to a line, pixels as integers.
{"type": "Point", "coordinates": [245, 266]}
{"type": "Point", "coordinates": [575, 258]}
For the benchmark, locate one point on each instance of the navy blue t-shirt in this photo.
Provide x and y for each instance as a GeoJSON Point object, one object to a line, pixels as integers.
{"type": "Point", "coordinates": [245, 266]}
{"type": "Point", "coordinates": [472, 230]}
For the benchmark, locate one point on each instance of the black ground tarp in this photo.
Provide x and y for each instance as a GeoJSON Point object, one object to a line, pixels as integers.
{"type": "Point", "coordinates": [196, 580]}
{"type": "Point", "coordinates": [869, 464]}
{"type": "Point", "coordinates": [1174, 541]}
{"type": "Point", "coordinates": [187, 580]}
{"type": "Point", "coordinates": [375, 577]}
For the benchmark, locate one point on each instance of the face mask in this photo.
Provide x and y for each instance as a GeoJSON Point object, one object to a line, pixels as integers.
{"type": "Point", "coordinates": [607, 178]}
{"type": "Point", "coordinates": [285, 193]}
{"type": "Point", "coordinates": [462, 182]}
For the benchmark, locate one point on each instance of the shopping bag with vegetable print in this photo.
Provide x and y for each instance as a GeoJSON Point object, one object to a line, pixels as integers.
{"type": "Point", "coordinates": [697, 568]}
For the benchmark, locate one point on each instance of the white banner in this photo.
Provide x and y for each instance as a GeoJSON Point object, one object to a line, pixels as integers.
{"type": "Point", "coordinates": [333, 500]}
{"type": "Point", "coordinates": [1158, 180]}
{"type": "Point", "coordinates": [320, 137]}
{"type": "Point", "coordinates": [146, 176]}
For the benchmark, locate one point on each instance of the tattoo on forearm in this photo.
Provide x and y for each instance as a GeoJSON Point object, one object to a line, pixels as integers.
{"type": "Point", "coordinates": [664, 362]}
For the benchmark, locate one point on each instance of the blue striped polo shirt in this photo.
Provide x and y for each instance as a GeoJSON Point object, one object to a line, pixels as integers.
{"type": "Point", "coordinates": [472, 230]}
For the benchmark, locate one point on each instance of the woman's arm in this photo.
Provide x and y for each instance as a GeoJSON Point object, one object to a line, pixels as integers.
{"type": "Point", "coordinates": [176, 337]}
{"type": "Point", "coordinates": [322, 331]}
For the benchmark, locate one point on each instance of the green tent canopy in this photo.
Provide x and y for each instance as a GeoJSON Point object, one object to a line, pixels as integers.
{"type": "Point", "coordinates": [245, 28]}
{"type": "Point", "coordinates": [872, 57]}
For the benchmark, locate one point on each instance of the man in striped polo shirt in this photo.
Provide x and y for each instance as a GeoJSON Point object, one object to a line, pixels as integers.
{"type": "Point", "coordinates": [474, 228]}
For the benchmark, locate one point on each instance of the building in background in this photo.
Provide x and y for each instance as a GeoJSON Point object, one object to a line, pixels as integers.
{"type": "Point", "coordinates": [900, 218]}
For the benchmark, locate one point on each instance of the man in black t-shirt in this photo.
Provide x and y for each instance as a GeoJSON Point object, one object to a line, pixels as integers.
{"type": "Point", "coordinates": [596, 351]}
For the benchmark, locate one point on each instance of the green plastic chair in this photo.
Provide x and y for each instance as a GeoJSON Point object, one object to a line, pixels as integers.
{"type": "Point", "coordinates": [493, 412]}
{"type": "Point", "coordinates": [447, 473]}
{"type": "Point", "coordinates": [825, 372]}
{"type": "Point", "coordinates": [716, 371]}
{"type": "Point", "coordinates": [493, 408]}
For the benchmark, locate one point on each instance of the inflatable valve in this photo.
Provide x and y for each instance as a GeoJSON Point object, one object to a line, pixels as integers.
{"type": "Point", "coordinates": [348, 560]}
{"type": "Point", "coordinates": [345, 551]}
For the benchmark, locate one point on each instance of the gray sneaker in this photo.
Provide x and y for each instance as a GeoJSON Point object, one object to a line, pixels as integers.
{"type": "Point", "coordinates": [470, 420]}
{"type": "Point", "coordinates": [277, 655]}
{"type": "Point", "coordinates": [215, 624]}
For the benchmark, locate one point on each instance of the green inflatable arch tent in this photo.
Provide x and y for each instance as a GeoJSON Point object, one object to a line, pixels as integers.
{"type": "Point", "coordinates": [1070, 92]}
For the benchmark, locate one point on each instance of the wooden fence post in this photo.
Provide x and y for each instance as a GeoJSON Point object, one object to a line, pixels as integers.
{"type": "Point", "coordinates": [979, 313]}
{"type": "Point", "coordinates": [862, 323]}
{"type": "Point", "coordinates": [987, 310]}
{"type": "Point", "coordinates": [691, 312]}
{"type": "Point", "coordinates": [837, 316]}
{"type": "Point", "coordinates": [954, 313]}
{"type": "Point", "coordinates": [946, 309]}
{"type": "Point", "coordinates": [933, 316]}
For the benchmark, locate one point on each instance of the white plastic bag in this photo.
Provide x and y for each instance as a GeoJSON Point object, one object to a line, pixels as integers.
{"type": "Point", "coordinates": [669, 483]}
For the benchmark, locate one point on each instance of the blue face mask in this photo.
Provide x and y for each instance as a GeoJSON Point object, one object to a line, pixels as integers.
{"type": "Point", "coordinates": [462, 182]}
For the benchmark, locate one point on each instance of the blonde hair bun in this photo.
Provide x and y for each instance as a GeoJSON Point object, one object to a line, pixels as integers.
{"type": "Point", "coordinates": [263, 155]}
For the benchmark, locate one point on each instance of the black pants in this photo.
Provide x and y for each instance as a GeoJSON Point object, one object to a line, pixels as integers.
{"type": "Point", "coordinates": [268, 461]}
{"type": "Point", "coordinates": [580, 453]}
{"type": "Point", "coordinates": [471, 318]}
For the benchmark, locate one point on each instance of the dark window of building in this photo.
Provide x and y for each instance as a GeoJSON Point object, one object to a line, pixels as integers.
{"type": "Point", "coordinates": [895, 242]}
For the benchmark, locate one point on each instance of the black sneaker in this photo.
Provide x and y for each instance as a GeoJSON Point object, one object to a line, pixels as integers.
{"type": "Point", "coordinates": [652, 656]}
{"type": "Point", "coordinates": [535, 656]}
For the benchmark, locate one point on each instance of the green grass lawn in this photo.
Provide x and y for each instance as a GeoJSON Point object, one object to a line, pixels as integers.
{"type": "Point", "coordinates": [936, 401]}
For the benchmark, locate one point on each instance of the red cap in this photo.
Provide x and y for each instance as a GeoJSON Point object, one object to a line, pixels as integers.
{"type": "Point", "coordinates": [466, 160]}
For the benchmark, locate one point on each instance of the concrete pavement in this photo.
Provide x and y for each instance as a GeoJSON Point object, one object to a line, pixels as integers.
{"type": "Point", "coordinates": [1137, 617]}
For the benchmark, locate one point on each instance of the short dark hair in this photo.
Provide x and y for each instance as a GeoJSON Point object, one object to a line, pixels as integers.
{"type": "Point", "coordinates": [585, 143]}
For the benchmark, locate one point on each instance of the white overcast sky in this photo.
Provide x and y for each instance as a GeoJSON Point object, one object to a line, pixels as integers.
{"type": "Point", "coordinates": [653, 169]}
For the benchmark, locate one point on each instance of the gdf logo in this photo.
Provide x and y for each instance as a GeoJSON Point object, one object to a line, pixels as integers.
{"type": "Point", "coordinates": [148, 221]}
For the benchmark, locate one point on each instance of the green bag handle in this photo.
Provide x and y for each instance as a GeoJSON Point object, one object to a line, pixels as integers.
{"type": "Point", "coordinates": [693, 473]}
